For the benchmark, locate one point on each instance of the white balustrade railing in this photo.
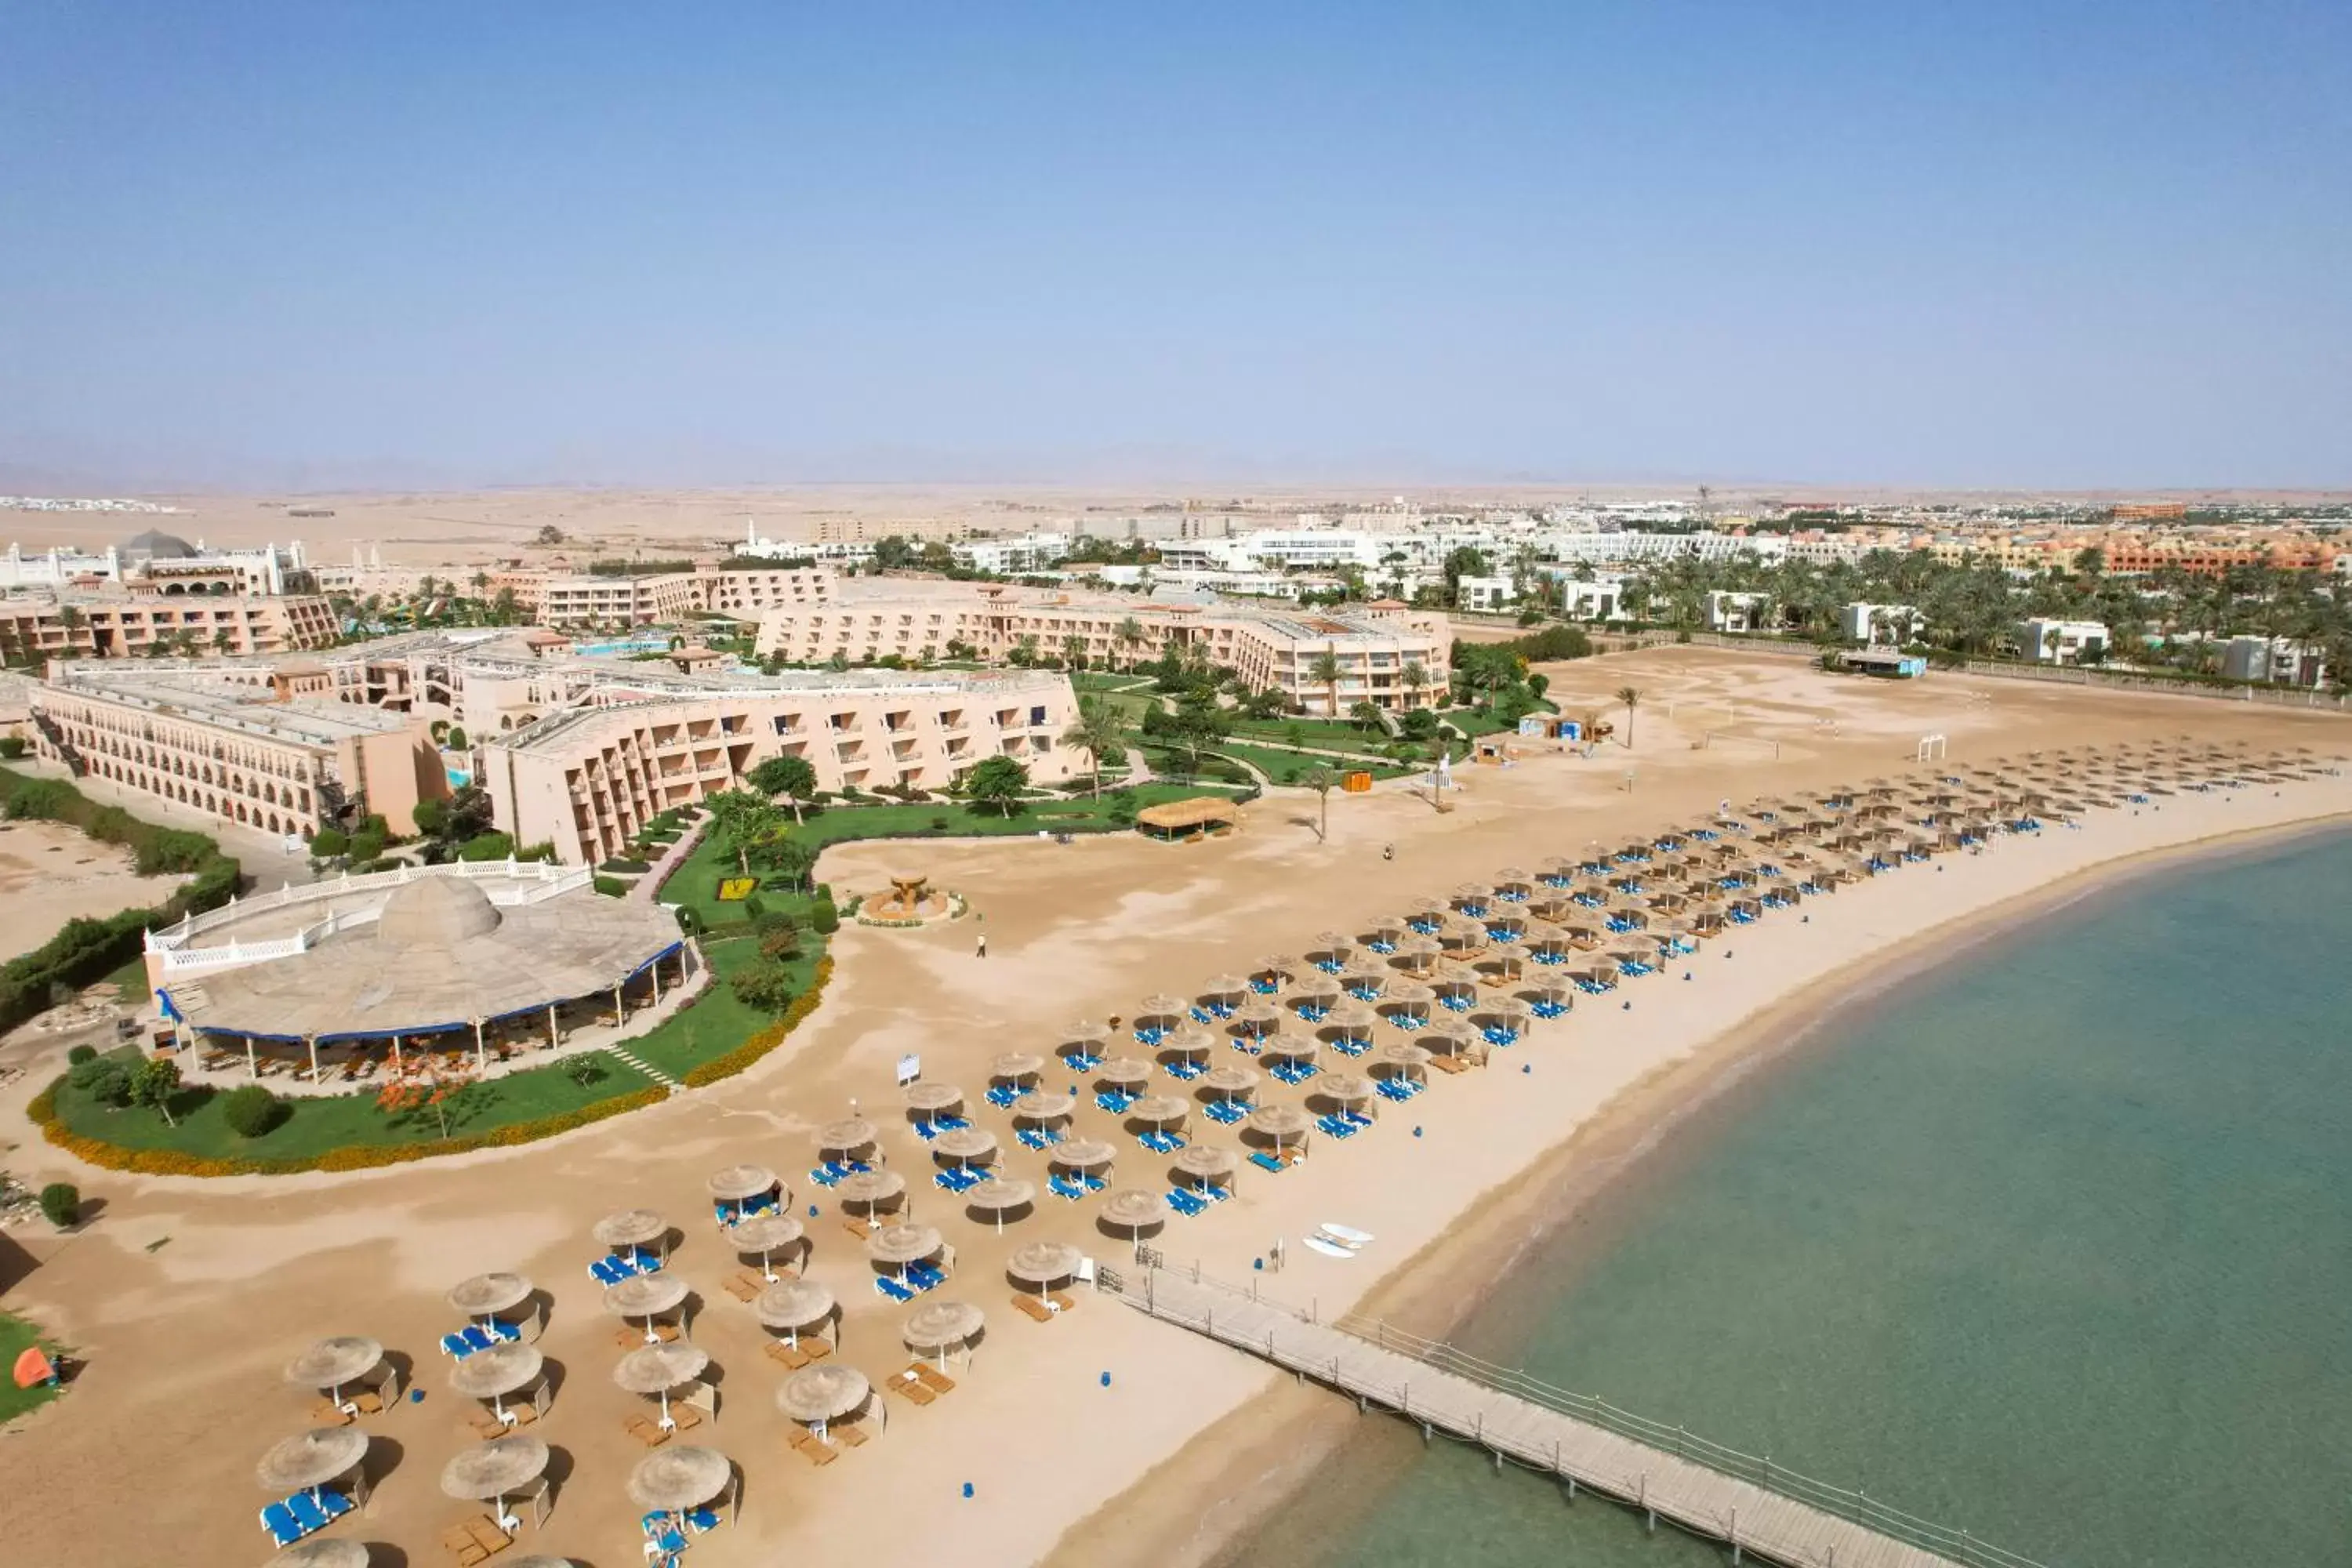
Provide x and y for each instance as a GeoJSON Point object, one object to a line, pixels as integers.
{"type": "Point", "coordinates": [539, 882]}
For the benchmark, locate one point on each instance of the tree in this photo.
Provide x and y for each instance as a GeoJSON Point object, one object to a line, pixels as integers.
{"type": "Point", "coordinates": [154, 1082]}
{"type": "Point", "coordinates": [1096, 733]}
{"type": "Point", "coordinates": [1000, 782]}
{"type": "Point", "coordinates": [457, 739]}
{"type": "Point", "coordinates": [104, 1079]}
{"type": "Point", "coordinates": [792, 858]}
{"type": "Point", "coordinates": [1465, 561]}
{"type": "Point", "coordinates": [1130, 637]}
{"type": "Point", "coordinates": [251, 1110]}
{"type": "Point", "coordinates": [1630, 696]}
{"type": "Point", "coordinates": [1414, 677]}
{"type": "Point", "coordinates": [1074, 651]}
{"type": "Point", "coordinates": [764, 984]}
{"type": "Point", "coordinates": [794, 778]}
{"type": "Point", "coordinates": [1321, 780]}
{"type": "Point", "coordinates": [1365, 716]}
{"type": "Point", "coordinates": [61, 1203]}
{"type": "Point", "coordinates": [425, 1081]}
{"type": "Point", "coordinates": [1326, 669]}
{"type": "Point", "coordinates": [431, 817]}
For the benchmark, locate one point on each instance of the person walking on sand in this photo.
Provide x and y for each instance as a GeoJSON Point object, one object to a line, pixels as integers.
{"type": "Point", "coordinates": [983, 951]}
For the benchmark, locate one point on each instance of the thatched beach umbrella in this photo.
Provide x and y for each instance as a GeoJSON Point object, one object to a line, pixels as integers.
{"type": "Point", "coordinates": [326, 1552]}
{"type": "Point", "coordinates": [1043, 1264]}
{"type": "Point", "coordinates": [656, 1371]}
{"type": "Point", "coordinates": [1350, 1021]}
{"type": "Point", "coordinates": [497, 1371]}
{"type": "Point", "coordinates": [1205, 1165]}
{"type": "Point", "coordinates": [964, 1145]}
{"type": "Point", "coordinates": [794, 1305]}
{"type": "Point", "coordinates": [999, 1197]}
{"type": "Point", "coordinates": [1044, 1105]}
{"type": "Point", "coordinates": [1402, 1059]}
{"type": "Point", "coordinates": [818, 1395]}
{"type": "Point", "coordinates": [1124, 1072]}
{"type": "Point", "coordinates": [488, 1295]}
{"type": "Point", "coordinates": [1159, 1109]}
{"type": "Point", "coordinates": [1332, 946]}
{"type": "Point", "coordinates": [1364, 980]}
{"type": "Point", "coordinates": [1284, 1125]}
{"type": "Point", "coordinates": [331, 1363]}
{"type": "Point", "coordinates": [765, 1234]}
{"type": "Point", "coordinates": [1294, 1048]}
{"type": "Point", "coordinates": [1408, 1004]}
{"type": "Point", "coordinates": [1384, 929]}
{"type": "Point", "coordinates": [629, 1229]}
{"type": "Point", "coordinates": [1230, 1082]}
{"type": "Point", "coordinates": [934, 1328]}
{"type": "Point", "coordinates": [1448, 1036]}
{"type": "Point", "coordinates": [736, 1184]}
{"type": "Point", "coordinates": [311, 1460]}
{"type": "Point", "coordinates": [1015, 1067]}
{"type": "Point", "coordinates": [489, 1471]}
{"type": "Point", "coordinates": [1087, 1035]}
{"type": "Point", "coordinates": [1223, 988]}
{"type": "Point", "coordinates": [1162, 1008]}
{"type": "Point", "coordinates": [1082, 1154]}
{"type": "Point", "coordinates": [645, 1296]}
{"type": "Point", "coordinates": [847, 1136]}
{"type": "Point", "coordinates": [1417, 955]}
{"type": "Point", "coordinates": [677, 1478]}
{"type": "Point", "coordinates": [1272, 970]}
{"type": "Point", "coordinates": [1258, 1018]}
{"type": "Point", "coordinates": [1346, 1089]}
{"type": "Point", "coordinates": [1132, 1210]}
{"type": "Point", "coordinates": [895, 1246]}
{"type": "Point", "coordinates": [870, 1190]}
{"type": "Point", "coordinates": [1187, 1044]}
{"type": "Point", "coordinates": [927, 1100]}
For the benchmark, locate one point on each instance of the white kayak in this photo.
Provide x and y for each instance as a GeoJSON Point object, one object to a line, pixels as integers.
{"type": "Point", "coordinates": [1328, 1248]}
{"type": "Point", "coordinates": [1346, 1233]}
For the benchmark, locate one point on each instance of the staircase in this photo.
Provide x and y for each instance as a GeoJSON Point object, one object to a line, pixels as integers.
{"type": "Point", "coordinates": [651, 1071]}
{"type": "Point", "coordinates": [53, 732]}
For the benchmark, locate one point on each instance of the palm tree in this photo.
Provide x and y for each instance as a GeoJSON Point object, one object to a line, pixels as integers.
{"type": "Point", "coordinates": [1074, 651]}
{"type": "Point", "coordinates": [1326, 669]}
{"type": "Point", "coordinates": [1630, 696]}
{"type": "Point", "coordinates": [1130, 637]}
{"type": "Point", "coordinates": [1096, 732]}
{"type": "Point", "coordinates": [1320, 780]}
{"type": "Point", "coordinates": [1415, 678]}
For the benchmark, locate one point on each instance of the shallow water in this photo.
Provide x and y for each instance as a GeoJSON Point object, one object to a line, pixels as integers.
{"type": "Point", "coordinates": [2054, 1244]}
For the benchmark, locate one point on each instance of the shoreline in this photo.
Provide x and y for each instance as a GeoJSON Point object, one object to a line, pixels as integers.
{"type": "Point", "coordinates": [1296, 1431]}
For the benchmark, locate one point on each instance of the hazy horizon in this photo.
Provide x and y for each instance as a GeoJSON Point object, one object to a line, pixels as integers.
{"type": "Point", "coordinates": [1996, 247]}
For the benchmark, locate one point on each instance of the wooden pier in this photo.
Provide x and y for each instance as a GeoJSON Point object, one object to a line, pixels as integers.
{"type": "Point", "coordinates": [1769, 1514]}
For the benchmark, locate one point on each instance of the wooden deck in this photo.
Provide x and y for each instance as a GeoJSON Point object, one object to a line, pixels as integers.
{"type": "Point", "coordinates": [1765, 1523]}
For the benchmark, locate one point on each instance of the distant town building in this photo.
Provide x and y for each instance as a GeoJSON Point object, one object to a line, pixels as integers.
{"type": "Point", "coordinates": [2061, 642]}
{"type": "Point", "coordinates": [1896, 623]}
{"type": "Point", "coordinates": [2275, 659]}
{"type": "Point", "coordinates": [1728, 611]}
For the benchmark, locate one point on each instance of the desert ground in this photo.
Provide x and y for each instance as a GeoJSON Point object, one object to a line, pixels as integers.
{"type": "Point", "coordinates": [50, 874]}
{"type": "Point", "coordinates": [185, 1297]}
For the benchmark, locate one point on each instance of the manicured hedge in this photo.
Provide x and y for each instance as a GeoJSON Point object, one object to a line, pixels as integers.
{"type": "Point", "coordinates": [352, 1157]}
{"type": "Point", "coordinates": [86, 951]}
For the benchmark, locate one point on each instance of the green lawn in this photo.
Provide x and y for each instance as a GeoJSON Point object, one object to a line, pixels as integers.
{"type": "Point", "coordinates": [717, 1023]}
{"type": "Point", "coordinates": [15, 1334]}
{"type": "Point", "coordinates": [1279, 765]}
{"type": "Point", "coordinates": [130, 983]}
{"type": "Point", "coordinates": [1319, 732]}
{"type": "Point", "coordinates": [317, 1125]}
{"type": "Point", "coordinates": [1091, 681]}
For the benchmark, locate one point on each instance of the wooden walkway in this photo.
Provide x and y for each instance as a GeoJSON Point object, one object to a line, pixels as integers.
{"type": "Point", "coordinates": [1757, 1522]}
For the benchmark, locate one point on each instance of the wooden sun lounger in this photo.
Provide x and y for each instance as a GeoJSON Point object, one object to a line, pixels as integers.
{"type": "Point", "coordinates": [933, 1378]}
{"type": "Point", "coordinates": [912, 1387]}
{"type": "Point", "coordinates": [645, 1430]}
{"type": "Point", "coordinates": [859, 1229]}
{"type": "Point", "coordinates": [816, 1349]}
{"type": "Point", "coordinates": [746, 1286]}
{"type": "Point", "coordinates": [368, 1401]}
{"type": "Point", "coordinates": [629, 1339]}
{"type": "Point", "coordinates": [848, 1434]}
{"type": "Point", "coordinates": [474, 1540]}
{"type": "Point", "coordinates": [790, 1354]}
{"type": "Point", "coordinates": [1028, 1306]}
{"type": "Point", "coordinates": [686, 1416]}
{"type": "Point", "coordinates": [1062, 1302]}
{"type": "Point", "coordinates": [811, 1447]}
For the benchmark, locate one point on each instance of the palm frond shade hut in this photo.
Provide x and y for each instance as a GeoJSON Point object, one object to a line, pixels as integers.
{"type": "Point", "coordinates": [630, 1228]}
{"type": "Point", "coordinates": [794, 1305]}
{"type": "Point", "coordinates": [1230, 1082]}
{"type": "Point", "coordinates": [927, 1100]}
{"type": "Point", "coordinates": [1122, 1072]}
{"type": "Point", "coordinates": [1158, 1110]}
{"type": "Point", "coordinates": [493, 1471]}
{"type": "Point", "coordinates": [1346, 1089]}
{"type": "Point", "coordinates": [999, 1197]}
{"type": "Point", "coordinates": [1205, 1165]}
{"type": "Point", "coordinates": [1162, 1008]}
{"type": "Point", "coordinates": [1223, 988]}
{"type": "Point", "coordinates": [331, 1551]}
{"type": "Point", "coordinates": [965, 1145]}
{"type": "Point", "coordinates": [1285, 1126]}
{"type": "Point", "coordinates": [815, 1397]}
{"type": "Point", "coordinates": [1132, 1210]}
{"type": "Point", "coordinates": [677, 1478]}
{"type": "Point", "coordinates": [895, 1246]}
{"type": "Point", "coordinates": [1044, 1105]}
{"type": "Point", "coordinates": [645, 1296]}
{"type": "Point", "coordinates": [1082, 1154]}
{"type": "Point", "coordinates": [1043, 1265]}
{"type": "Point", "coordinates": [1188, 818]}
{"type": "Point", "coordinates": [340, 1361]}
{"type": "Point", "coordinates": [870, 1190]}
{"type": "Point", "coordinates": [847, 1136]}
{"type": "Point", "coordinates": [311, 1460]}
{"type": "Point", "coordinates": [936, 1328]}
{"type": "Point", "coordinates": [488, 1295]}
{"type": "Point", "coordinates": [766, 1235]}
{"type": "Point", "coordinates": [660, 1371]}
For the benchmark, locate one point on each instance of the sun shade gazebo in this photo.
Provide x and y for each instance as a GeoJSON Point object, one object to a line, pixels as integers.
{"type": "Point", "coordinates": [664, 1372]}
{"type": "Point", "coordinates": [504, 1369]}
{"type": "Point", "coordinates": [676, 1478]}
{"type": "Point", "coordinates": [502, 1467]}
{"type": "Point", "coordinates": [1043, 1265]}
{"type": "Point", "coordinates": [1192, 818]}
{"type": "Point", "coordinates": [999, 1197]}
{"type": "Point", "coordinates": [645, 1296]}
{"type": "Point", "coordinates": [816, 1397]}
{"type": "Point", "coordinates": [438, 959]}
{"type": "Point", "coordinates": [346, 1359]}
{"type": "Point", "coordinates": [936, 1328]}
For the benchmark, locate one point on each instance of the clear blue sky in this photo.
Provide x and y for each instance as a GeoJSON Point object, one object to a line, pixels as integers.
{"type": "Point", "coordinates": [1992, 243]}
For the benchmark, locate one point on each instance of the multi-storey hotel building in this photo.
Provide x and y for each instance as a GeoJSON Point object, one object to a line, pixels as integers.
{"type": "Point", "coordinates": [37, 626]}
{"type": "Point", "coordinates": [1373, 646]}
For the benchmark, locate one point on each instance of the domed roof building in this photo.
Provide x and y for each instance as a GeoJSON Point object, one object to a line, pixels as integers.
{"type": "Point", "coordinates": [481, 951]}
{"type": "Point", "coordinates": [156, 545]}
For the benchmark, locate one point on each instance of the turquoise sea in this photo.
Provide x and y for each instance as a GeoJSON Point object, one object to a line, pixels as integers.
{"type": "Point", "coordinates": [2053, 1243]}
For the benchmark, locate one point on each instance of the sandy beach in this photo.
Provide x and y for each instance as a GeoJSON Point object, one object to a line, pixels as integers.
{"type": "Point", "coordinates": [50, 873]}
{"type": "Point", "coordinates": [187, 1298]}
